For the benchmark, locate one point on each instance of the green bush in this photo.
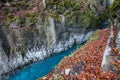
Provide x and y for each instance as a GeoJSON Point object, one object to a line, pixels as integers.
{"type": "Point", "coordinates": [114, 8]}
{"type": "Point", "coordinates": [103, 16]}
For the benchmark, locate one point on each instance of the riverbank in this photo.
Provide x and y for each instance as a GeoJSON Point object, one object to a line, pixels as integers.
{"type": "Point", "coordinates": [85, 63]}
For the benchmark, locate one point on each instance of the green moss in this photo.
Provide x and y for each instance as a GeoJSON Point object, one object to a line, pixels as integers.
{"type": "Point", "coordinates": [9, 19]}
{"type": "Point", "coordinates": [26, 14]}
{"type": "Point", "coordinates": [31, 20]}
{"type": "Point", "coordinates": [93, 37]}
{"type": "Point", "coordinates": [114, 8]}
{"type": "Point", "coordinates": [20, 49]}
{"type": "Point", "coordinates": [73, 20]}
{"type": "Point", "coordinates": [60, 8]}
{"type": "Point", "coordinates": [21, 5]}
{"type": "Point", "coordinates": [56, 17]}
{"type": "Point", "coordinates": [118, 11]}
{"type": "Point", "coordinates": [114, 5]}
{"type": "Point", "coordinates": [58, 77]}
{"type": "Point", "coordinates": [11, 16]}
{"type": "Point", "coordinates": [72, 4]}
{"type": "Point", "coordinates": [94, 20]}
{"type": "Point", "coordinates": [103, 16]}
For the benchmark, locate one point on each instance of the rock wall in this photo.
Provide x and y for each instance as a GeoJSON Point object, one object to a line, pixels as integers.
{"type": "Point", "coordinates": [118, 37]}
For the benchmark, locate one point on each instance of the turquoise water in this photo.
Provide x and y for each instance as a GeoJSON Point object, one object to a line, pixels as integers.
{"type": "Point", "coordinates": [105, 24]}
{"type": "Point", "coordinates": [41, 68]}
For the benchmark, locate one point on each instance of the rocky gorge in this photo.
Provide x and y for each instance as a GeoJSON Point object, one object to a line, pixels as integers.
{"type": "Point", "coordinates": [33, 30]}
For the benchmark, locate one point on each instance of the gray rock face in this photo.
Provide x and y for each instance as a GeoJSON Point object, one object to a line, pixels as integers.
{"type": "Point", "coordinates": [3, 61]}
{"type": "Point", "coordinates": [118, 38]}
{"type": "Point", "coordinates": [118, 41]}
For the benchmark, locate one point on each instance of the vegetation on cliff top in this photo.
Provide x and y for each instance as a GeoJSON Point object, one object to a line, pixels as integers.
{"type": "Point", "coordinates": [25, 13]}
{"type": "Point", "coordinates": [114, 9]}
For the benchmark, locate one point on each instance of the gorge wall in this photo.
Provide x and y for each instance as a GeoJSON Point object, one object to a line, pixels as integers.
{"type": "Point", "coordinates": [35, 29]}
{"type": "Point", "coordinates": [118, 34]}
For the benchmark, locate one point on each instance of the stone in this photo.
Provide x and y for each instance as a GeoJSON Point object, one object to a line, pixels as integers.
{"type": "Point", "coordinates": [67, 71]}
